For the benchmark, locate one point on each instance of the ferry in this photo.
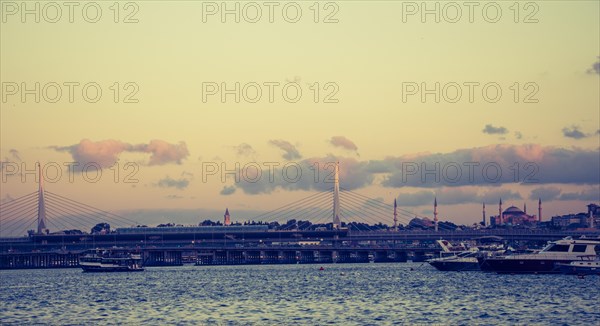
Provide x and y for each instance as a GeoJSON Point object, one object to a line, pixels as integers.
{"type": "Point", "coordinates": [105, 261]}
{"type": "Point", "coordinates": [548, 260]}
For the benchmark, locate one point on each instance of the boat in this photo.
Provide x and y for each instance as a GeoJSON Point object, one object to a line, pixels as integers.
{"type": "Point", "coordinates": [546, 261]}
{"type": "Point", "coordinates": [586, 266]}
{"type": "Point", "coordinates": [415, 258]}
{"type": "Point", "coordinates": [107, 261]}
{"type": "Point", "coordinates": [462, 261]}
{"type": "Point", "coordinates": [459, 258]}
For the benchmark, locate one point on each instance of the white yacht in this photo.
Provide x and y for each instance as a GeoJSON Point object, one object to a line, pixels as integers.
{"type": "Point", "coordinates": [562, 251]}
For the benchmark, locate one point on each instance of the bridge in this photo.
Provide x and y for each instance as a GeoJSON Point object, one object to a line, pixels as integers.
{"type": "Point", "coordinates": [343, 234]}
{"type": "Point", "coordinates": [43, 211]}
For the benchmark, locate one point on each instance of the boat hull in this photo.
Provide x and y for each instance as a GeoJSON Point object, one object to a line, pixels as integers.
{"type": "Point", "coordinates": [94, 269]}
{"type": "Point", "coordinates": [453, 266]}
{"type": "Point", "coordinates": [578, 270]}
{"type": "Point", "coordinates": [521, 266]}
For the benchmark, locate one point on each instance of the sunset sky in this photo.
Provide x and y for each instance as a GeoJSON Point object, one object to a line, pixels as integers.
{"type": "Point", "coordinates": [366, 60]}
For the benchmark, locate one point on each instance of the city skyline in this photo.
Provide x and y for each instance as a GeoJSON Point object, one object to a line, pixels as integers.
{"type": "Point", "coordinates": [392, 93]}
{"type": "Point", "coordinates": [299, 162]}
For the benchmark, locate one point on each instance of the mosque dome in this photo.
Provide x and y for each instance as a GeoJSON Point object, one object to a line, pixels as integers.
{"type": "Point", "coordinates": [512, 210]}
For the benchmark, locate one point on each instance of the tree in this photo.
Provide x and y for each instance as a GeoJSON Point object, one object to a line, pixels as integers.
{"type": "Point", "coordinates": [101, 228]}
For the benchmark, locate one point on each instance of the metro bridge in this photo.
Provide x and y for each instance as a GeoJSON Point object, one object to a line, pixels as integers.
{"type": "Point", "coordinates": [288, 242]}
{"type": "Point", "coordinates": [278, 247]}
{"type": "Point", "coordinates": [48, 211]}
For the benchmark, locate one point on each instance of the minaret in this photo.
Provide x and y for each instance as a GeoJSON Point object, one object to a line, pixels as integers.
{"type": "Point", "coordinates": [525, 208]}
{"type": "Point", "coordinates": [539, 210]}
{"type": "Point", "coordinates": [483, 214]}
{"type": "Point", "coordinates": [226, 220]}
{"type": "Point", "coordinates": [41, 203]}
{"type": "Point", "coordinates": [591, 224]}
{"type": "Point", "coordinates": [336, 197]}
{"type": "Point", "coordinates": [500, 211]}
{"type": "Point", "coordinates": [395, 216]}
{"type": "Point", "coordinates": [435, 213]}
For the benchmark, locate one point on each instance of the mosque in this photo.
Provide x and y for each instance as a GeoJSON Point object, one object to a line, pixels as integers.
{"type": "Point", "coordinates": [514, 216]}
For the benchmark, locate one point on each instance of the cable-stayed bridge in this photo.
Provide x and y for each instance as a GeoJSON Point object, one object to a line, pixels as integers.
{"type": "Point", "coordinates": [337, 225]}
{"type": "Point", "coordinates": [45, 212]}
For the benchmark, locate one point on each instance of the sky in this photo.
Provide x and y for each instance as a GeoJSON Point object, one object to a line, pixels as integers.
{"type": "Point", "coordinates": [167, 98]}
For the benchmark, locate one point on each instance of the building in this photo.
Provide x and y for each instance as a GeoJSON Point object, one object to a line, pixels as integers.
{"type": "Point", "coordinates": [226, 218]}
{"type": "Point", "coordinates": [591, 219]}
{"type": "Point", "coordinates": [513, 216]}
{"type": "Point", "coordinates": [569, 220]}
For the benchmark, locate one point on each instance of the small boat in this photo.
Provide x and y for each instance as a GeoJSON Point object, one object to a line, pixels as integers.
{"type": "Point", "coordinates": [586, 266]}
{"type": "Point", "coordinates": [455, 257]}
{"type": "Point", "coordinates": [548, 260]}
{"type": "Point", "coordinates": [421, 258]}
{"type": "Point", "coordinates": [106, 261]}
{"type": "Point", "coordinates": [462, 261]}
{"type": "Point", "coordinates": [461, 258]}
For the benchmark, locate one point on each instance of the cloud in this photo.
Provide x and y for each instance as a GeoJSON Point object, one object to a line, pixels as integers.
{"type": "Point", "coordinates": [447, 196]}
{"type": "Point", "coordinates": [11, 161]}
{"type": "Point", "coordinates": [418, 198]}
{"type": "Point", "coordinates": [494, 165]}
{"type": "Point", "coordinates": [555, 193]}
{"type": "Point", "coordinates": [494, 195]}
{"type": "Point", "coordinates": [343, 142]}
{"type": "Point", "coordinates": [573, 132]}
{"type": "Point", "coordinates": [545, 193]}
{"type": "Point", "coordinates": [15, 155]}
{"type": "Point", "coordinates": [518, 135]}
{"type": "Point", "coordinates": [592, 194]}
{"type": "Point", "coordinates": [106, 152]}
{"type": "Point", "coordinates": [7, 162]}
{"type": "Point", "coordinates": [244, 149]}
{"type": "Point", "coordinates": [454, 196]}
{"type": "Point", "coordinates": [187, 175]}
{"type": "Point", "coordinates": [174, 197]}
{"type": "Point", "coordinates": [228, 190]}
{"type": "Point", "coordinates": [169, 182]}
{"type": "Point", "coordinates": [314, 173]}
{"type": "Point", "coordinates": [163, 152]}
{"type": "Point", "coordinates": [291, 152]}
{"type": "Point", "coordinates": [491, 130]}
{"type": "Point", "coordinates": [595, 69]}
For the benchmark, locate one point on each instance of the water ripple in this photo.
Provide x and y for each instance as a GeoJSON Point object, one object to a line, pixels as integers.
{"type": "Point", "coordinates": [368, 294]}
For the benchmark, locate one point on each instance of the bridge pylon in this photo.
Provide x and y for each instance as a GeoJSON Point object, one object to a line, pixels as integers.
{"type": "Point", "coordinates": [336, 197]}
{"type": "Point", "coordinates": [41, 218]}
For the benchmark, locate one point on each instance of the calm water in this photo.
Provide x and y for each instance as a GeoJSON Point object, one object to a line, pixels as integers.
{"type": "Point", "coordinates": [365, 294]}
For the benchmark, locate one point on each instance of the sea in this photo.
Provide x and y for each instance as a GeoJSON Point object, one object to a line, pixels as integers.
{"type": "Point", "coordinates": [340, 294]}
